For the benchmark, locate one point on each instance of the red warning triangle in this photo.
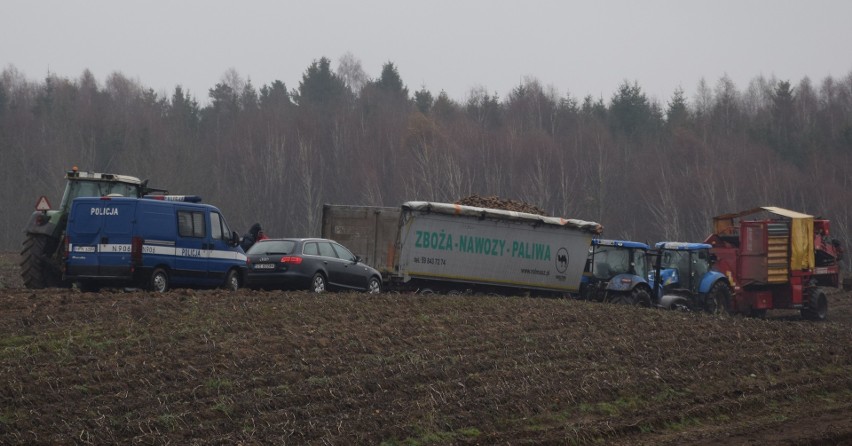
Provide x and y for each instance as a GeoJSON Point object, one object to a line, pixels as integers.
{"type": "Point", "coordinates": [43, 204]}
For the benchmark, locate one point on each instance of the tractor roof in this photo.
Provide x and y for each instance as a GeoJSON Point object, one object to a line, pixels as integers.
{"type": "Point", "coordinates": [620, 243]}
{"type": "Point", "coordinates": [95, 176]}
{"type": "Point", "coordinates": [682, 246]}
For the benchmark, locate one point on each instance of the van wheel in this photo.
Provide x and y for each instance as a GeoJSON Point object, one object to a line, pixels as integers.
{"type": "Point", "coordinates": [232, 281]}
{"type": "Point", "coordinates": [318, 283]}
{"type": "Point", "coordinates": [159, 281]}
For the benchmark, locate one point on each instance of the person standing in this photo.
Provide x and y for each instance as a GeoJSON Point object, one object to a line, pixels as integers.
{"type": "Point", "coordinates": [254, 235]}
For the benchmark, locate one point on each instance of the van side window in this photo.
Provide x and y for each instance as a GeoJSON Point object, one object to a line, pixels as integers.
{"type": "Point", "coordinates": [191, 224]}
{"type": "Point", "coordinates": [226, 230]}
{"type": "Point", "coordinates": [215, 226]}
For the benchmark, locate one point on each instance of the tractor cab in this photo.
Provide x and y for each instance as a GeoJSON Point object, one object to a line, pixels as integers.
{"type": "Point", "coordinates": [683, 278]}
{"type": "Point", "coordinates": [615, 272]}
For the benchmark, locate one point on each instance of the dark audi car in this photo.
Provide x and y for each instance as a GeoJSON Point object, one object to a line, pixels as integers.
{"type": "Point", "coordinates": [308, 263]}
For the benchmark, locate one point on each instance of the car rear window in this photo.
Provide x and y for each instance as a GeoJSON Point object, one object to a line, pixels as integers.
{"type": "Point", "coordinates": [272, 247]}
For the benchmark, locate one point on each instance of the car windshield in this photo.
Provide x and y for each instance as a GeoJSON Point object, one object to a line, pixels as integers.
{"type": "Point", "coordinates": [268, 247]}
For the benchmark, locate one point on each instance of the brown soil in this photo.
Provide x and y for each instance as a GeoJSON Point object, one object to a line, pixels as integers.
{"type": "Point", "coordinates": [212, 367]}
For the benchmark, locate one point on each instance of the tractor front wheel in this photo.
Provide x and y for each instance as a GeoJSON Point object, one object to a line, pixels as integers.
{"type": "Point", "coordinates": [641, 297]}
{"type": "Point", "coordinates": [718, 299]}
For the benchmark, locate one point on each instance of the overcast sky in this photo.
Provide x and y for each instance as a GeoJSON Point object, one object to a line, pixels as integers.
{"type": "Point", "coordinates": [581, 48]}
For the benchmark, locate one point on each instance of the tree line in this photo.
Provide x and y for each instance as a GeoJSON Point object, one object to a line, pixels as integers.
{"type": "Point", "coordinates": [647, 171]}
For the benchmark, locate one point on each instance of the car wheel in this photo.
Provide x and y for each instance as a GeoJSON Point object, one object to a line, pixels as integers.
{"type": "Point", "coordinates": [318, 284]}
{"type": "Point", "coordinates": [232, 281]}
{"type": "Point", "coordinates": [159, 281]}
{"type": "Point", "coordinates": [374, 286]}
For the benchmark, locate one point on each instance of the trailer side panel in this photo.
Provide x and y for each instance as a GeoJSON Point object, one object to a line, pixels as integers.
{"type": "Point", "coordinates": [513, 252]}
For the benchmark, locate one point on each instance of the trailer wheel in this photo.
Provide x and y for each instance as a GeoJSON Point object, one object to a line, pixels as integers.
{"type": "Point", "coordinates": [159, 282]}
{"type": "Point", "coordinates": [718, 299]}
{"type": "Point", "coordinates": [318, 284]}
{"type": "Point", "coordinates": [817, 309]}
{"type": "Point", "coordinates": [374, 286]}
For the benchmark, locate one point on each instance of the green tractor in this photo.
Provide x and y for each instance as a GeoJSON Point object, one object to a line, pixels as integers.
{"type": "Point", "coordinates": [41, 256]}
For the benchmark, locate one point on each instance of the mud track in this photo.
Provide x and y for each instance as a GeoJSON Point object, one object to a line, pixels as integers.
{"type": "Point", "coordinates": [212, 367]}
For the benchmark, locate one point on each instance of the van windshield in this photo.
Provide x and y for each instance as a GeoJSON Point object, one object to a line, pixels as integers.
{"type": "Point", "coordinates": [270, 247]}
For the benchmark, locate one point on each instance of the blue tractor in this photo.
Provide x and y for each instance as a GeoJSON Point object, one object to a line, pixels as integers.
{"type": "Point", "coordinates": [615, 272]}
{"type": "Point", "coordinates": [683, 278]}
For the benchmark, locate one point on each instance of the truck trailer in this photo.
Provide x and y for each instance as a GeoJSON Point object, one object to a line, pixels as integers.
{"type": "Point", "coordinates": [450, 248]}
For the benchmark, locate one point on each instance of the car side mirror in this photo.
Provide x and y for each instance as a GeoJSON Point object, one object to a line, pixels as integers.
{"type": "Point", "coordinates": [235, 239]}
{"type": "Point", "coordinates": [357, 259]}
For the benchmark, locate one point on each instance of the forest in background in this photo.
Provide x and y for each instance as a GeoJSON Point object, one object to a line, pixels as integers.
{"type": "Point", "coordinates": [646, 171]}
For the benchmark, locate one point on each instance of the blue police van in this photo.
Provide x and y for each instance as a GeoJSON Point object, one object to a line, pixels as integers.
{"type": "Point", "coordinates": [151, 242]}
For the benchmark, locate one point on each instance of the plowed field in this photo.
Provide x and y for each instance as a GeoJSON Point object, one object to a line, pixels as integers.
{"type": "Point", "coordinates": [212, 367]}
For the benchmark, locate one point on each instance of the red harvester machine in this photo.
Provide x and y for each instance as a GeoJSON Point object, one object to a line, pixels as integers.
{"type": "Point", "coordinates": [776, 258]}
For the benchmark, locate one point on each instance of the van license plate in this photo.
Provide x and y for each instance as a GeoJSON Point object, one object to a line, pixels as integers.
{"type": "Point", "coordinates": [264, 266]}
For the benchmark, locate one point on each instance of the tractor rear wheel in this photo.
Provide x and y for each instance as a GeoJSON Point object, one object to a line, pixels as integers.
{"type": "Point", "coordinates": [37, 269]}
{"type": "Point", "coordinates": [817, 309]}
